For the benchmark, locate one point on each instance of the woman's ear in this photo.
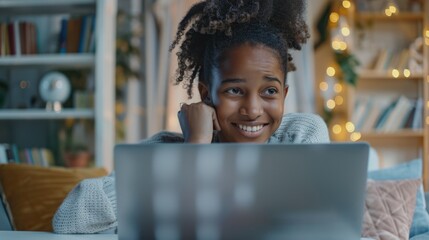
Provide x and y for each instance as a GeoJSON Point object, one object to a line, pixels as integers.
{"type": "Point", "coordinates": [204, 91]}
{"type": "Point", "coordinates": [285, 90]}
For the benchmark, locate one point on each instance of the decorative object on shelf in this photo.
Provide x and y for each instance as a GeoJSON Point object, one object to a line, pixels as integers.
{"type": "Point", "coordinates": [54, 88]}
{"type": "Point", "coordinates": [3, 93]}
{"type": "Point", "coordinates": [76, 148]}
{"type": "Point", "coordinates": [416, 56]}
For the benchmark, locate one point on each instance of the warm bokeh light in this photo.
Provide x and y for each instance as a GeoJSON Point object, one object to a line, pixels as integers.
{"type": "Point", "coordinates": [350, 127]}
{"type": "Point", "coordinates": [407, 73]}
{"type": "Point", "coordinates": [427, 120]}
{"type": "Point", "coordinates": [338, 88]}
{"type": "Point", "coordinates": [323, 86]}
{"type": "Point", "coordinates": [336, 129]}
{"type": "Point", "coordinates": [334, 17]}
{"type": "Point", "coordinates": [427, 33]}
{"type": "Point", "coordinates": [330, 104]}
{"type": "Point", "coordinates": [346, 4]}
{"type": "Point", "coordinates": [427, 41]}
{"type": "Point", "coordinates": [343, 46]}
{"type": "Point", "coordinates": [395, 73]}
{"type": "Point", "coordinates": [393, 9]}
{"type": "Point", "coordinates": [330, 71]}
{"type": "Point", "coordinates": [339, 100]}
{"type": "Point", "coordinates": [336, 45]}
{"type": "Point", "coordinates": [345, 31]}
{"type": "Point", "coordinates": [388, 12]}
{"type": "Point", "coordinates": [355, 136]}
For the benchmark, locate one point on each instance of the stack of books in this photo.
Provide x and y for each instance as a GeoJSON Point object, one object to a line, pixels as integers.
{"type": "Point", "coordinates": [386, 115]}
{"type": "Point", "coordinates": [77, 35]}
{"type": "Point", "coordinates": [11, 153]}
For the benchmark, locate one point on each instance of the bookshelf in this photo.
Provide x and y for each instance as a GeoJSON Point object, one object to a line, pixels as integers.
{"type": "Point", "coordinates": [68, 60]}
{"type": "Point", "coordinates": [35, 125]}
{"type": "Point", "coordinates": [371, 32]}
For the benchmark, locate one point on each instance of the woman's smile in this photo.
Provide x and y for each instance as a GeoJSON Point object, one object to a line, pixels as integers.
{"type": "Point", "coordinates": [250, 130]}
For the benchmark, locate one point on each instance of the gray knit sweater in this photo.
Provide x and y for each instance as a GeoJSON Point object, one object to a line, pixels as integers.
{"type": "Point", "coordinates": [91, 206]}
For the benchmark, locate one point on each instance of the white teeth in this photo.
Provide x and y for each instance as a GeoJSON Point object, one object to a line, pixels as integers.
{"type": "Point", "coordinates": [250, 128]}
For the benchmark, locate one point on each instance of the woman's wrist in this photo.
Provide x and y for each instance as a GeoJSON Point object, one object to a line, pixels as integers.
{"type": "Point", "coordinates": [198, 140]}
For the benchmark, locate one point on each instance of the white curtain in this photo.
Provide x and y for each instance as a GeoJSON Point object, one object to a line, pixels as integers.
{"type": "Point", "coordinates": [162, 97]}
{"type": "Point", "coordinates": [161, 21]}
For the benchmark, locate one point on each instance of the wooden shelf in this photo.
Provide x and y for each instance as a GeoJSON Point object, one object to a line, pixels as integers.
{"type": "Point", "coordinates": [68, 60]}
{"type": "Point", "coordinates": [402, 16]}
{"type": "Point", "coordinates": [406, 133]}
{"type": "Point", "coordinates": [31, 114]}
{"type": "Point", "coordinates": [368, 74]}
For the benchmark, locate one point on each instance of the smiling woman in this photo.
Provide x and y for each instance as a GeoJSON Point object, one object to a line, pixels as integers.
{"type": "Point", "coordinates": [249, 93]}
{"type": "Point", "coordinates": [238, 50]}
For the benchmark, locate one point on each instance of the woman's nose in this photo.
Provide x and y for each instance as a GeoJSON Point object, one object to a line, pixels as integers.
{"type": "Point", "coordinates": [251, 107]}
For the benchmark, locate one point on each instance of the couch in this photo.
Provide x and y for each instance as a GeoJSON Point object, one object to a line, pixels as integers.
{"type": "Point", "coordinates": [66, 179]}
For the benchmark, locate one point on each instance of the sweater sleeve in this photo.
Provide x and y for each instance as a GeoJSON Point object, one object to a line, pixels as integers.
{"type": "Point", "coordinates": [89, 208]}
{"type": "Point", "coordinates": [301, 128]}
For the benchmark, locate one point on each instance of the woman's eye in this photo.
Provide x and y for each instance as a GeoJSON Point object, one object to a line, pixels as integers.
{"type": "Point", "coordinates": [234, 91]}
{"type": "Point", "coordinates": [270, 91]}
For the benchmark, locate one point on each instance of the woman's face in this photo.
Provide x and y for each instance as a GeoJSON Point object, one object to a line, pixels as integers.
{"type": "Point", "coordinates": [248, 93]}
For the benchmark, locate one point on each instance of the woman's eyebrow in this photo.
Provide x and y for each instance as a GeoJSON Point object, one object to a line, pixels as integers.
{"type": "Point", "coordinates": [271, 79]}
{"type": "Point", "coordinates": [233, 80]}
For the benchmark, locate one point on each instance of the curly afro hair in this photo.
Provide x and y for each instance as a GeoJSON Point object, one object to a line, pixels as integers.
{"type": "Point", "coordinates": [213, 26]}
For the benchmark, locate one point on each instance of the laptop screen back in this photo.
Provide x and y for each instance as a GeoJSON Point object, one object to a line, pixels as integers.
{"type": "Point", "coordinates": [240, 191]}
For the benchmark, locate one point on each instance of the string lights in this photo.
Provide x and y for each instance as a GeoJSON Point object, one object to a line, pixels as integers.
{"type": "Point", "coordinates": [332, 88]}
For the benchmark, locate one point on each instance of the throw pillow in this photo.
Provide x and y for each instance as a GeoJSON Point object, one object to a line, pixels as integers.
{"type": "Point", "coordinates": [408, 170]}
{"type": "Point", "coordinates": [389, 208]}
{"type": "Point", "coordinates": [35, 193]}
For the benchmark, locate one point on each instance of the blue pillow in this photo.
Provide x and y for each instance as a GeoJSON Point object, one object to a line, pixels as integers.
{"type": "Point", "coordinates": [408, 170]}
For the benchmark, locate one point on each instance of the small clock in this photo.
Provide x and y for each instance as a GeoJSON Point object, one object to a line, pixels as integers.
{"type": "Point", "coordinates": [54, 88]}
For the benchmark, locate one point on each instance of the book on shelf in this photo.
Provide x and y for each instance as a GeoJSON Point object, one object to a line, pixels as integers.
{"type": "Point", "coordinates": [73, 31]}
{"type": "Point", "coordinates": [3, 156]}
{"type": "Point", "coordinates": [17, 38]}
{"type": "Point", "coordinates": [77, 34]}
{"type": "Point", "coordinates": [371, 118]}
{"type": "Point", "coordinates": [398, 115]}
{"type": "Point", "coordinates": [11, 153]}
{"type": "Point", "coordinates": [359, 112]}
{"type": "Point", "coordinates": [418, 115]}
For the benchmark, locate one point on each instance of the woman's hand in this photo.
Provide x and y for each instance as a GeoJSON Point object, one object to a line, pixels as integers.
{"type": "Point", "coordinates": [198, 120]}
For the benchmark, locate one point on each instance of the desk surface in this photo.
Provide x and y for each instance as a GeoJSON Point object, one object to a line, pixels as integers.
{"type": "Point", "coordinates": [20, 235]}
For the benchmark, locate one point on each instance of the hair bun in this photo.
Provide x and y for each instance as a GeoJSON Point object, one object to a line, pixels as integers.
{"type": "Point", "coordinates": [222, 15]}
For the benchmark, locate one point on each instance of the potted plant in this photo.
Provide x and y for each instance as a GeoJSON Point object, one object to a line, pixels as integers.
{"type": "Point", "coordinates": [76, 151]}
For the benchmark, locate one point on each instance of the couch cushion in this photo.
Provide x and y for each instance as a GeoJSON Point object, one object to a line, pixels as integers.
{"type": "Point", "coordinates": [34, 193]}
{"type": "Point", "coordinates": [409, 170]}
{"type": "Point", "coordinates": [389, 208]}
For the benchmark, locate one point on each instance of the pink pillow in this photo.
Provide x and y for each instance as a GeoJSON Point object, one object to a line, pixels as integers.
{"type": "Point", "coordinates": [389, 209]}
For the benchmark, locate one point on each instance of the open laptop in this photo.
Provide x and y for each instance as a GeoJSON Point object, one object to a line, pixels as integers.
{"type": "Point", "coordinates": [241, 191]}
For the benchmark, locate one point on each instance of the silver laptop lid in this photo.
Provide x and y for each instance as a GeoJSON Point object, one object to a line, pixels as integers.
{"type": "Point", "coordinates": [241, 191]}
